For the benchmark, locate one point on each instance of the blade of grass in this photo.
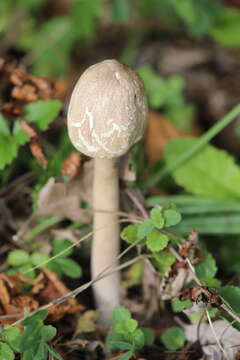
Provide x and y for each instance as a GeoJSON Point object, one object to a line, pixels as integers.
{"type": "Point", "coordinates": [202, 141]}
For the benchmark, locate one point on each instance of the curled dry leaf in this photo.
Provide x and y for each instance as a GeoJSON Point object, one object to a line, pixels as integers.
{"type": "Point", "coordinates": [11, 299]}
{"type": "Point", "coordinates": [228, 336]}
{"type": "Point", "coordinates": [22, 88]}
{"type": "Point", "coordinates": [35, 146]}
{"type": "Point", "coordinates": [48, 288]}
{"type": "Point", "coordinates": [159, 131]}
{"type": "Point", "coordinates": [72, 165]}
{"type": "Point", "coordinates": [67, 199]}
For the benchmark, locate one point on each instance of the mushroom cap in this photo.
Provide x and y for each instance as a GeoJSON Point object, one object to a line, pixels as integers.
{"type": "Point", "coordinates": [108, 110]}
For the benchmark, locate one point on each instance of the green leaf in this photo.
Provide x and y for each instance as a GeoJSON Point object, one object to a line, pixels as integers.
{"type": "Point", "coordinates": [54, 266]}
{"type": "Point", "coordinates": [210, 172]}
{"type": "Point", "coordinates": [121, 10]}
{"type": "Point", "coordinates": [6, 352]}
{"type": "Point", "coordinates": [156, 241]}
{"type": "Point", "coordinates": [145, 228]}
{"type": "Point", "coordinates": [48, 332]}
{"type": "Point", "coordinates": [157, 218]}
{"type": "Point", "coordinates": [55, 39]}
{"type": "Point", "coordinates": [60, 244]}
{"type": "Point", "coordinates": [4, 128]}
{"type": "Point", "coordinates": [171, 217]}
{"type": "Point", "coordinates": [10, 335]}
{"type": "Point", "coordinates": [38, 317]}
{"type": "Point", "coordinates": [42, 112]}
{"type": "Point", "coordinates": [148, 336]}
{"type": "Point", "coordinates": [138, 339]}
{"type": "Point", "coordinates": [18, 257]}
{"type": "Point", "coordinates": [231, 295]}
{"type": "Point", "coordinates": [83, 15]}
{"type": "Point", "coordinates": [20, 137]}
{"type": "Point", "coordinates": [120, 313]}
{"type": "Point", "coordinates": [126, 356]}
{"type": "Point", "coordinates": [69, 267]}
{"type": "Point", "coordinates": [178, 305]}
{"type": "Point", "coordinates": [128, 325]}
{"type": "Point", "coordinates": [206, 268]}
{"type": "Point", "coordinates": [163, 260]}
{"type": "Point", "coordinates": [38, 258]}
{"type": "Point", "coordinates": [119, 345]}
{"type": "Point", "coordinates": [226, 28]}
{"type": "Point", "coordinates": [173, 338]}
{"type": "Point", "coordinates": [129, 233]}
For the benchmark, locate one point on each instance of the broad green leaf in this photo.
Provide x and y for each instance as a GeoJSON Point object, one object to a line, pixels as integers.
{"type": "Point", "coordinates": [128, 325]}
{"type": "Point", "coordinates": [20, 137]}
{"type": "Point", "coordinates": [129, 233]}
{"type": "Point", "coordinates": [171, 217]}
{"type": "Point", "coordinates": [9, 335]}
{"type": "Point", "coordinates": [54, 266]}
{"type": "Point", "coordinates": [178, 305]}
{"type": "Point", "coordinates": [61, 244]}
{"type": "Point", "coordinates": [206, 268]}
{"type": "Point", "coordinates": [18, 257]}
{"type": "Point", "coordinates": [69, 267]}
{"type": "Point", "coordinates": [37, 317]}
{"type": "Point", "coordinates": [24, 269]}
{"type": "Point", "coordinates": [148, 336]}
{"type": "Point", "coordinates": [38, 258]}
{"type": "Point", "coordinates": [84, 14]}
{"type": "Point", "coordinates": [138, 339]}
{"type": "Point", "coordinates": [120, 345]}
{"type": "Point", "coordinates": [226, 28]}
{"type": "Point", "coordinates": [121, 10]}
{"type": "Point", "coordinates": [211, 172]}
{"type": "Point", "coordinates": [156, 241]}
{"type": "Point", "coordinates": [48, 332]}
{"type": "Point", "coordinates": [163, 260]}
{"type": "Point", "coordinates": [6, 352]}
{"type": "Point", "coordinates": [8, 150]}
{"type": "Point", "coordinates": [120, 313]}
{"type": "Point", "coordinates": [55, 39]}
{"type": "Point", "coordinates": [145, 228]}
{"type": "Point", "coordinates": [42, 112]}
{"type": "Point", "coordinates": [173, 338]}
{"type": "Point", "coordinates": [157, 218]}
{"type": "Point", "coordinates": [4, 128]}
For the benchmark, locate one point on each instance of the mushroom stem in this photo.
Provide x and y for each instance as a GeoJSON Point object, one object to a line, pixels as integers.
{"type": "Point", "coordinates": [105, 247]}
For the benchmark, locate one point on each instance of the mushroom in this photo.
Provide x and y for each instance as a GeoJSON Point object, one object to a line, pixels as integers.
{"type": "Point", "coordinates": [107, 115]}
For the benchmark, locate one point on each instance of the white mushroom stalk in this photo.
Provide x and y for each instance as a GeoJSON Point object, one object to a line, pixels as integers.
{"type": "Point", "coordinates": [107, 115]}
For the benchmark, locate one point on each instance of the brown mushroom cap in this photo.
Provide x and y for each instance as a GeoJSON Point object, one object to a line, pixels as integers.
{"type": "Point", "coordinates": [108, 110]}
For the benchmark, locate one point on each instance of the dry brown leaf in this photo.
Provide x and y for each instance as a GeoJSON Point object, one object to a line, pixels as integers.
{"type": "Point", "coordinates": [66, 199]}
{"type": "Point", "coordinates": [35, 147]}
{"type": "Point", "coordinates": [159, 131]}
{"type": "Point", "coordinates": [11, 300]}
{"type": "Point", "coordinates": [72, 165]}
{"type": "Point", "coordinates": [47, 288]}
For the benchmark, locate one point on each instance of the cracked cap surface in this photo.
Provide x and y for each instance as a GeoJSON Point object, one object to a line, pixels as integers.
{"type": "Point", "coordinates": [107, 111]}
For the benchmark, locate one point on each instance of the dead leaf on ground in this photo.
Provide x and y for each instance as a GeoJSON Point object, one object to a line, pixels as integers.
{"type": "Point", "coordinates": [159, 131]}
{"type": "Point", "coordinates": [72, 165]}
{"type": "Point", "coordinates": [228, 336]}
{"type": "Point", "coordinates": [67, 199]}
{"type": "Point", "coordinates": [12, 301]}
{"type": "Point", "coordinates": [35, 146]}
{"type": "Point", "coordinates": [48, 288]}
